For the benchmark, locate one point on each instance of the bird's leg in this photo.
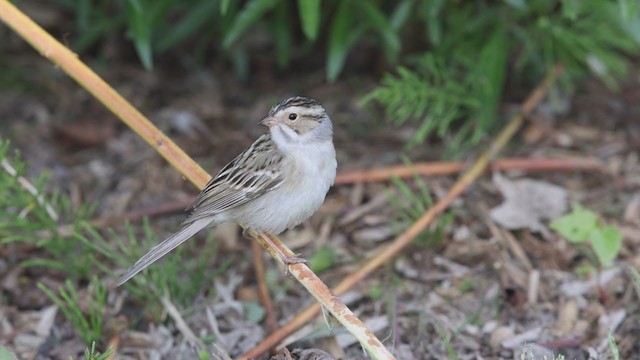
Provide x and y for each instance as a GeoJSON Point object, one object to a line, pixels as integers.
{"type": "Point", "coordinates": [274, 249]}
{"type": "Point", "coordinates": [286, 259]}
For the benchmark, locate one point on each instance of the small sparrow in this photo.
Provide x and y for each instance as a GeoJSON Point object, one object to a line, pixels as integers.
{"type": "Point", "coordinates": [276, 184]}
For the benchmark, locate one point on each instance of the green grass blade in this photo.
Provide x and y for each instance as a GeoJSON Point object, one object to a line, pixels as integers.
{"type": "Point", "coordinates": [196, 18]}
{"type": "Point", "coordinates": [343, 36]}
{"type": "Point", "coordinates": [224, 6]}
{"type": "Point", "coordinates": [248, 16]}
{"type": "Point", "coordinates": [282, 34]}
{"type": "Point", "coordinates": [310, 17]}
{"type": "Point", "coordinates": [378, 20]}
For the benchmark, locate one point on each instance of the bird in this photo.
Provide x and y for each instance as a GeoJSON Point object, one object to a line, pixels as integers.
{"type": "Point", "coordinates": [275, 184]}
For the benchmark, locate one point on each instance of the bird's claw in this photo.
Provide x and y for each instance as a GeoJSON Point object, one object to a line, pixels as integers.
{"type": "Point", "coordinates": [291, 260]}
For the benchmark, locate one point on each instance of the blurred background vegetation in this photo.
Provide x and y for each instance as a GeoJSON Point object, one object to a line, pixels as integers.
{"type": "Point", "coordinates": [448, 62]}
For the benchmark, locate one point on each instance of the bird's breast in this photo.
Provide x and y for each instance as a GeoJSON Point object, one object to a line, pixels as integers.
{"type": "Point", "coordinates": [309, 173]}
{"type": "Point", "coordinates": [315, 173]}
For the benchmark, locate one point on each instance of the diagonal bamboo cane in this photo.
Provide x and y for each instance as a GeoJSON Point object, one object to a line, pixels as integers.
{"type": "Point", "coordinates": [69, 62]}
{"type": "Point", "coordinates": [421, 224]}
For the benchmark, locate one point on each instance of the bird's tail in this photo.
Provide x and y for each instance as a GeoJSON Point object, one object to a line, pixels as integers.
{"type": "Point", "coordinates": [164, 247]}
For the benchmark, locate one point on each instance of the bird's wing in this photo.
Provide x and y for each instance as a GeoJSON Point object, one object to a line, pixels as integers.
{"type": "Point", "coordinates": [256, 171]}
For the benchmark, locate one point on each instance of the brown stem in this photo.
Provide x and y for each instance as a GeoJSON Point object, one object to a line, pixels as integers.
{"type": "Point", "coordinates": [263, 290]}
{"type": "Point", "coordinates": [448, 168]}
{"type": "Point", "coordinates": [421, 224]}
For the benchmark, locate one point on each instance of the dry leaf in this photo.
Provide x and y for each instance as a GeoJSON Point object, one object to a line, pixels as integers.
{"type": "Point", "coordinates": [527, 202]}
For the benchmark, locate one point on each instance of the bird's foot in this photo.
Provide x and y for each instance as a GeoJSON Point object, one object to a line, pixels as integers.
{"type": "Point", "coordinates": [248, 233]}
{"type": "Point", "coordinates": [275, 250]}
{"type": "Point", "coordinates": [291, 260]}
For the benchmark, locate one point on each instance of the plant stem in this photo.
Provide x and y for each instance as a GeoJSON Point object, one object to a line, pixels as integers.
{"type": "Point", "coordinates": [448, 168]}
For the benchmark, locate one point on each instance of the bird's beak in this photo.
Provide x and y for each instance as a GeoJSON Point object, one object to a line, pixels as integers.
{"type": "Point", "coordinates": [269, 121]}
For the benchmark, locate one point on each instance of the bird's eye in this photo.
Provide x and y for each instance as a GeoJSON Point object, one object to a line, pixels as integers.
{"type": "Point", "coordinates": [293, 116]}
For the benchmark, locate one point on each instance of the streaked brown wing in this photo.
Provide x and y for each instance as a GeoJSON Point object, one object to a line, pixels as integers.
{"type": "Point", "coordinates": [254, 172]}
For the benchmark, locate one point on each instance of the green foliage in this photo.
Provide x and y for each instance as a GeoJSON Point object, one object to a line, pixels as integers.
{"type": "Point", "coordinates": [310, 14]}
{"type": "Point", "coordinates": [411, 203]}
{"type": "Point", "coordinates": [94, 20]}
{"type": "Point", "coordinates": [33, 217]}
{"type": "Point", "coordinates": [375, 292]}
{"type": "Point", "coordinates": [204, 355]}
{"type": "Point", "coordinates": [581, 225]}
{"type": "Point", "coordinates": [577, 225]}
{"type": "Point", "coordinates": [156, 26]}
{"type": "Point", "coordinates": [248, 16]}
{"type": "Point", "coordinates": [355, 19]}
{"type": "Point", "coordinates": [585, 270]}
{"type": "Point", "coordinates": [445, 337]}
{"type": "Point", "coordinates": [5, 354]}
{"type": "Point", "coordinates": [322, 259]}
{"type": "Point", "coordinates": [93, 354]}
{"type": "Point", "coordinates": [89, 322]}
{"type": "Point", "coordinates": [437, 93]}
{"type": "Point", "coordinates": [454, 89]}
{"type": "Point", "coordinates": [450, 86]}
{"type": "Point", "coordinates": [253, 311]}
{"type": "Point", "coordinates": [613, 347]}
{"type": "Point", "coordinates": [80, 250]}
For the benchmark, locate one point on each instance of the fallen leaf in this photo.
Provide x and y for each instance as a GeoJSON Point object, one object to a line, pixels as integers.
{"type": "Point", "coordinates": [527, 202]}
{"type": "Point", "coordinates": [606, 243]}
{"type": "Point", "coordinates": [577, 226]}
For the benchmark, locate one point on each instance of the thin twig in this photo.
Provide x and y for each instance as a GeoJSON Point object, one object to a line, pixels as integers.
{"type": "Point", "coordinates": [421, 224]}
{"type": "Point", "coordinates": [181, 325]}
{"type": "Point", "coordinates": [69, 62]}
{"type": "Point", "coordinates": [113, 345]}
{"type": "Point", "coordinates": [448, 168]}
{"type": "Point", "coordinates": [263, 289]}
{"type": "Point", "coordinates": [186, 331]}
